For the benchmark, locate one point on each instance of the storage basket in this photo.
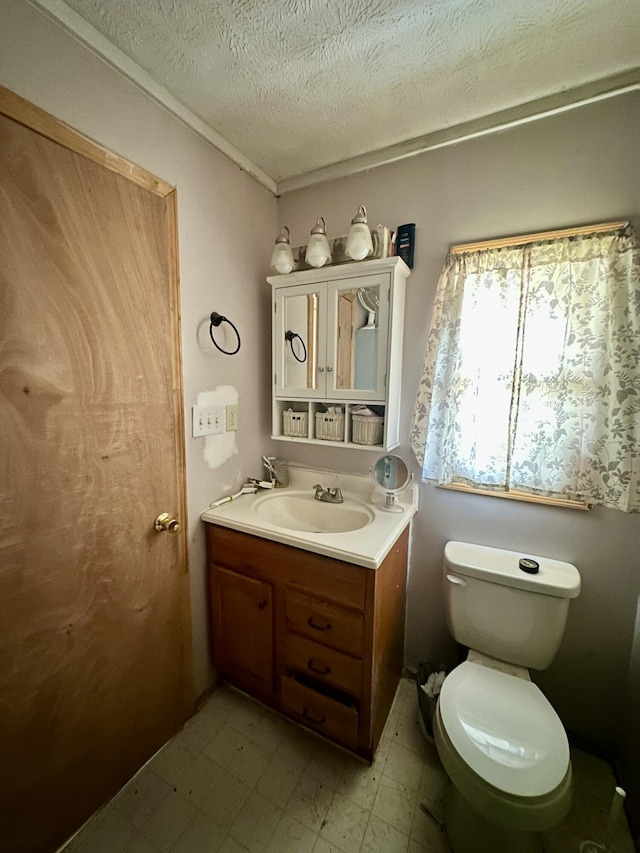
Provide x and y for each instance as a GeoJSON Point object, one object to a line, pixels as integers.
{"type": "Point", "coordinates": [330, 427]}
{"type": "Point", "coordinates": [296, 423]}
{"type": "Point", "coordinates": [367, 429]}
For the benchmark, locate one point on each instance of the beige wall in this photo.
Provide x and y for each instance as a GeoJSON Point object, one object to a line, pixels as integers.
{"type": "Point", "coordinates": [579, 167]}
{"type": "Point", "coordinates": [226, 225]}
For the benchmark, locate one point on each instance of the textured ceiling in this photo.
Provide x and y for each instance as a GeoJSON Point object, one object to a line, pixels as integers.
{"type": "Point", "coordinates": [296, 85]}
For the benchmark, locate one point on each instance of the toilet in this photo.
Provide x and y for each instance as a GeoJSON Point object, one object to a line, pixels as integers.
{"type": "Point", "coordinates": [502, 745]}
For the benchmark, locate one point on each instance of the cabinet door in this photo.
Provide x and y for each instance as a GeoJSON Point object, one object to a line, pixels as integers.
{"type": "Point", "coordinates": [357, 336]}
{"type": "Point", "coordinates": [242, 615]}
{"type": "Point", "coordinates": [299, 343]}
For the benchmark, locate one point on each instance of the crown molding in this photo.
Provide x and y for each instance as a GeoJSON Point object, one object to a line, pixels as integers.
{"type": "Point", "coordinates": [88, 35]}
{"type": "Point", "coordinates": [550, 105]}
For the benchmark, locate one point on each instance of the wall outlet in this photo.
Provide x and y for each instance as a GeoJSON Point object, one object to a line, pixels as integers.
{"type": "Point", "coordinates": [208, 420]}
{"type": "Point", "coordinates": [232, 417]}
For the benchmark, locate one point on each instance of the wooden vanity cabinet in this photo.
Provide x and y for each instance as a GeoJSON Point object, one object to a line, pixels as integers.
{"type": "Point", "coordinates": [318, 639]}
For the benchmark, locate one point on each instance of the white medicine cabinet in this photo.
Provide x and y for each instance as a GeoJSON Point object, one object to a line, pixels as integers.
{"type": "Point", "coordinates": [337, 353]}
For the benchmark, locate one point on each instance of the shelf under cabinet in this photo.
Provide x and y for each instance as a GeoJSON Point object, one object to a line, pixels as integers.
{"type": "Point", "coordinates": [306, 427]}
{"type": "Point", "coordinates": [325, 443]}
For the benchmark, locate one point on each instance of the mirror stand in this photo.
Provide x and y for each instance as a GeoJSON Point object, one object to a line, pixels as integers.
{"type": "Point", "coordinates": [391, 502]}
{"type": "Point", "coordinates": [391, 474]}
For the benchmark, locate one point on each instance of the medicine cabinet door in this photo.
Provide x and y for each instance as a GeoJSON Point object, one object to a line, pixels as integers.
{"type": "Point", "coordinates": [299, 345]}
{"type": "Point", "coordinates": [357, 336]}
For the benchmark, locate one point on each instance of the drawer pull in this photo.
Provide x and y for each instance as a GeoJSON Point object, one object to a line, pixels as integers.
{"type": "Point", "coordinates": [262, 605]}
{"type": "Point", "coordinates": [315, 625]}
{"type": "Point", "coordinates": [312, 719]}
{"type": "Point", "coordinates": [318, 671]}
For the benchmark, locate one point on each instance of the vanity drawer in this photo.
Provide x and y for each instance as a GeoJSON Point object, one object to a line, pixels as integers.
{"type": "Point", "coordinates": [321, 713]}
{"type": "Point", "coordinates": [323, 664]}
{"type": "Point", "coordinates": [282, 564]}
{"type": "Point", "coordinates": [325, 623]}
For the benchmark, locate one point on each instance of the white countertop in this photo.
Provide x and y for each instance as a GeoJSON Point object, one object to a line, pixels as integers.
{"type": "Point", "coordinates": [367, 546]}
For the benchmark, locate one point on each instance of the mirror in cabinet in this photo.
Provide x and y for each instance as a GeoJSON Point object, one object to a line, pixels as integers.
{"type": "Point", "coordinates": [297, 324]}
{"type": "Point", "coordinates": [359, 326]}
{"type": "Point", "coordinates": [331, 339]}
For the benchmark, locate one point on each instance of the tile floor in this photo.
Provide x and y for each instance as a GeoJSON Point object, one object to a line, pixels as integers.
{"type": "Point", "coordinates": [240, 778]}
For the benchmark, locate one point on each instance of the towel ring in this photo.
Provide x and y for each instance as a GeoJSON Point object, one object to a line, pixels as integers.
{"type": "Point", "coordinates": [216, 319]}
{"type": "Point", "coordinates": [291, 336]}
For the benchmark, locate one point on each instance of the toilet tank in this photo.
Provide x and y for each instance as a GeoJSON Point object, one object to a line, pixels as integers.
{"type": "Point", "coordinates": [496, 607]}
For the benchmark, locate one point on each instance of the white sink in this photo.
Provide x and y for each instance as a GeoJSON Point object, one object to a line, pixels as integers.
{"type": "Point", "coordinates": [301, 511]}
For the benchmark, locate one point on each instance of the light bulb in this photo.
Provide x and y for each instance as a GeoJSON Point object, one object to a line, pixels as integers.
{"type": "Point", "coordinates": [318, 251]}
{"type": "Point", "coordinates": [359, 243]}
{"type": "Point", "coordinates": [282, 257]}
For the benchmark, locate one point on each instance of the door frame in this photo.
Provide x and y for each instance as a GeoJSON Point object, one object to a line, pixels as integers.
{"type": "Point", "coordinates": [25, 113]}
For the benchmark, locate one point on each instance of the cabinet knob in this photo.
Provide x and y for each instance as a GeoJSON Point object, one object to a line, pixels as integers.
{"type": "Point", "coordinates": [321, 370]}
{"type": "Point", "coordinates": [329, 369]}
{"type": "Point", "coordinates": [262, 605]}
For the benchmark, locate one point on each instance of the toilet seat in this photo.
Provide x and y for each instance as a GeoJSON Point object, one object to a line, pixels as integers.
{"type": "Point", "coordinates": [505, 730]}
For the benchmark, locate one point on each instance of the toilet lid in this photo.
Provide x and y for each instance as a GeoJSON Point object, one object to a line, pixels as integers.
{"type": "Point", "coordinates": [504, 729]}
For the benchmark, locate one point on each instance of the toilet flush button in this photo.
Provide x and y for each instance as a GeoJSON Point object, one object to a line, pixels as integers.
{"type": "Point", "coordinates": [528, 565]}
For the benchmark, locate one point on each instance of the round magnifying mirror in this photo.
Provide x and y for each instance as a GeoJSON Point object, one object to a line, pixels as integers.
{"type": "Point", "coordinates": [391, 474]}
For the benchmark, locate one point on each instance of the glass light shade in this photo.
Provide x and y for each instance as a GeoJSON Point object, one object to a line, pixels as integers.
{"type": "Point", "coordinates": [282, 256]}
{"type": "Point", "coordinates": [359, 242]}
{"type": "Point", "coordinates": [318, 251]}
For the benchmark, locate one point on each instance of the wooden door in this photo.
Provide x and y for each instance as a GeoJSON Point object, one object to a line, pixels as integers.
{"type": "Point", "coordinates": [95, 670]}
{"type": "Point", "coordinates": [242, 627]}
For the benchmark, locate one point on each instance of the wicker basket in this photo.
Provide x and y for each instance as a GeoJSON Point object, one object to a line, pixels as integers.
{"type": "Point", "coordinates": [296, 424]}
{"type": "Point", "coordinates": [329, 427]}
{"type": "Point", "coordinates": [367, 429]}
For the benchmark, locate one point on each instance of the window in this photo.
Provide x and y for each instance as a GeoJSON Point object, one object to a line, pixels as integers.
{"type": "Point", "coordinates": [531, 380]}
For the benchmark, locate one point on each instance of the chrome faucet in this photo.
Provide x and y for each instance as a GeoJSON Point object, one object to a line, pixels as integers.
{"type": "Point", "coordinates": [329, 496]}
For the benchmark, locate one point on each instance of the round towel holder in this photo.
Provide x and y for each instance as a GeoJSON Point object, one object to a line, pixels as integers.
{"type": "Point", "coordinates": [216, 319]}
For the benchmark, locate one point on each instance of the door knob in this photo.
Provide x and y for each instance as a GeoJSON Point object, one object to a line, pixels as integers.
{"type": "Point", "coordinates": [165, 522]}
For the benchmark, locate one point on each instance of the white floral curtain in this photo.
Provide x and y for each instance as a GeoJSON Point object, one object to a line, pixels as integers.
{"type": "Point", "coordinates": [531, 378]}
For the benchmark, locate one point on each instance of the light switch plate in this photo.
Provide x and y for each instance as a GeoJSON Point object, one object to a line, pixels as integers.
{"type": "Point", "coordinates": [208, 420]}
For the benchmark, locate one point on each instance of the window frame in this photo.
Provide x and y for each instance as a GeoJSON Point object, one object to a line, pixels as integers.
{"type": "Point", "coordinates": [515, 495]}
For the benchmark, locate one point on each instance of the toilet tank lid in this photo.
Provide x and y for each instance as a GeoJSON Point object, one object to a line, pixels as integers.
{"type": "Point", "coordinates": [496, 565]}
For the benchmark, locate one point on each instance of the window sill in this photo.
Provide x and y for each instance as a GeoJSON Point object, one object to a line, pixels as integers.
{"type": "Point", "coordinates": [517, 496]}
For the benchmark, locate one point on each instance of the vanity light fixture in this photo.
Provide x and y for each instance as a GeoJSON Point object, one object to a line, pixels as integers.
{"type": "Point", "coordinates": [282, 257]}
{"type": "Point", "coordinates": [359, 242]}
{"type": "Point", "coordinates": [318, 252]}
